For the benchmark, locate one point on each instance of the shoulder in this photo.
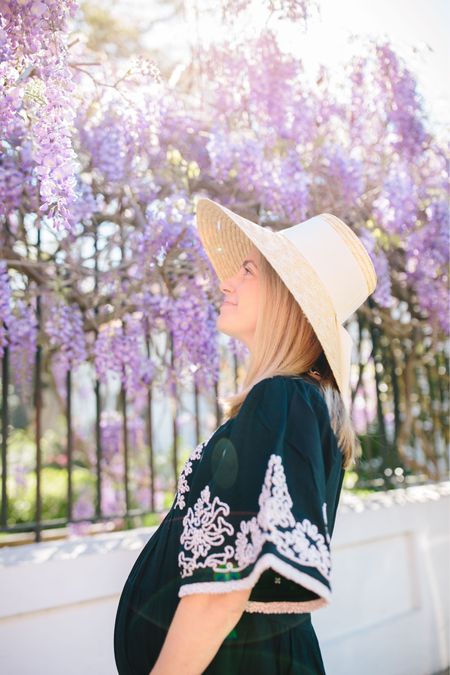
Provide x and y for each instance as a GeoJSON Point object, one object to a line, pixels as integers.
{"type": "Point", "coordinates": [270, 391]}
{"type": "Point", "coordinates": [280, 387]}
{"type": "Point", "coordinates": [276, 397]}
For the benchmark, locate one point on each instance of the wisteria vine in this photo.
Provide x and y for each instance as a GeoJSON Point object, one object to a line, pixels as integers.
{"type": "Point", "coordinates": [109, 175]}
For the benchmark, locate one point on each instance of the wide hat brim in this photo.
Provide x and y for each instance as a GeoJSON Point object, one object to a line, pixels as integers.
{"type": "Point", "coordinates": [227, 237]}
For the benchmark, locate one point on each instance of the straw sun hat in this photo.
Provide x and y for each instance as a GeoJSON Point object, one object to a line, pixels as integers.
{"type": "Point", "coordinates": [320, 260]}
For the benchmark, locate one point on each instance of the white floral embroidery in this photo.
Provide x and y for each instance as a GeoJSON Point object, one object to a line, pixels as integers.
{"type": "Point", "coordinates": [205, 527]}
{"type": "Point", "coordinates": [183, 485]}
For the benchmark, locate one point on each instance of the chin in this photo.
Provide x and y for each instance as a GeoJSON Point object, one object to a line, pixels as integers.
{"type": "Point", "coordinates": [221, 326]}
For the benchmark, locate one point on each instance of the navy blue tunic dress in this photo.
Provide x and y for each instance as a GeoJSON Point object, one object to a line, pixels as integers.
{"type": "Point", "coordinates": [255, 508]}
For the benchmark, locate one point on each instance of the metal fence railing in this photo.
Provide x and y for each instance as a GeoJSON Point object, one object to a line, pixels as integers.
{"type": "Point", "coordinates": [394, 455]}
{"type": "Point", "coordinates": [129, 515]}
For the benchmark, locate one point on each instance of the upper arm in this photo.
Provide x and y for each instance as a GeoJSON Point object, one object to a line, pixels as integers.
{"type": "Point", "coordinates": [231, 602]}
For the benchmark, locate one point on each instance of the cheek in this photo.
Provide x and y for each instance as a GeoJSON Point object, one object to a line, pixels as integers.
{"type": "Point", "coordinates": [252, 301]}
{"type": "Point", "coordinates": [255, 309]}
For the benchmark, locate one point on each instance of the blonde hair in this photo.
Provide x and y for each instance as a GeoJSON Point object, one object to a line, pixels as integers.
{"type": "Point", "coordinates": [291, 348]}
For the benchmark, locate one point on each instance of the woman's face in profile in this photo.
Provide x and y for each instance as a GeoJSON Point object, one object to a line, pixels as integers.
{"type": "Point", "coordinates": [237, 316]}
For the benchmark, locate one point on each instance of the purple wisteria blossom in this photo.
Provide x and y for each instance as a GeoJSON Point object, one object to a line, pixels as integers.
{"type": "Point", "coordinates": [37, 86]}
{"type": "Point", "coordinates": [22, 338]}
{"type": "Point", "coordinates": [119, 349]}
{"type": "Point", "coordinates": [428, 263]}
{"type": "Point", "coordinates": [64, 327]}
{"type": "Point", "coordinates": [396, 206]}
{"type": "Point", "coordinates": [405, 107]}
{"type": "Point", "coordinates": [382, 294]}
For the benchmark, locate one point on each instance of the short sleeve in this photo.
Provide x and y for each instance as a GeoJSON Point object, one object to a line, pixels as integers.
{"type": "Point", "coordinates": [256, 514]}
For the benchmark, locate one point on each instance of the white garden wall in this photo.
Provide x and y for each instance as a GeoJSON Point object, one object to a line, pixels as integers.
{"type": "Point", "coordinates": [389, 613]}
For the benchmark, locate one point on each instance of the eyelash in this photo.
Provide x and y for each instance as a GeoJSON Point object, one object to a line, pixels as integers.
{"type": "Point", "coordinates": [247, 270]}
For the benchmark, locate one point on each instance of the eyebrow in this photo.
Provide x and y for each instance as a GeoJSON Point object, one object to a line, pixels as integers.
{"type": "Point", "coordinates": [250, 261]}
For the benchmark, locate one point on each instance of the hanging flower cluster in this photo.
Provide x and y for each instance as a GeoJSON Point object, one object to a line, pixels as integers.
{"type": "Point", "coordinates": [109, 176]}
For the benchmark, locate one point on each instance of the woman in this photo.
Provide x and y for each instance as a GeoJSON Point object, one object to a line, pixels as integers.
{"type": "Point", "coordinates": [227, 583]}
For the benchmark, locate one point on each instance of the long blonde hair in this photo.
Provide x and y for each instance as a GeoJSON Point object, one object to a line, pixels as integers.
{"type": "Point", "coordinates": [291, 348]}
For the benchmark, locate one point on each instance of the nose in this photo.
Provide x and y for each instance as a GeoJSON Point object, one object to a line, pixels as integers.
{"type": "Point", "coordinates": [226, 286]}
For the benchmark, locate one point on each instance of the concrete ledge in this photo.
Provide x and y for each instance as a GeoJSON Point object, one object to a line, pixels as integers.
{"type": "Point", "coordinates": [390, 592]}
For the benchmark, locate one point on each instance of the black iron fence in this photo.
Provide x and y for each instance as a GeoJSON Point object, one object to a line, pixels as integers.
{"type": "Point", "coordinates": [129, 516]}
{"type": "Point", "coordinates": [408, 445]}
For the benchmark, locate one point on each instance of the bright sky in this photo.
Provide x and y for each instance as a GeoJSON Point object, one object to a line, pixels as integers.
{"type": "Point", "coordinates": [420, 24]}
{"type": "Point", "coordinates": [423, 24]}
